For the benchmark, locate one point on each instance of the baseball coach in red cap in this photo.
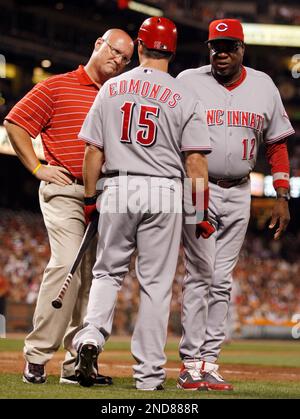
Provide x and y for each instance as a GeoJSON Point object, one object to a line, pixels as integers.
{"type": "Point", "coordinates": [226, 36]}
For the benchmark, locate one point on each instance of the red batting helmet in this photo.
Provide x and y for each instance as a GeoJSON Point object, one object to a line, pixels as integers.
{"type": "Point", "coordinates": [158, 33]}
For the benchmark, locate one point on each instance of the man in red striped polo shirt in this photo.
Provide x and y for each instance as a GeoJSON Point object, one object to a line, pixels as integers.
{"type": "Point", "coordinates": [56, 109]}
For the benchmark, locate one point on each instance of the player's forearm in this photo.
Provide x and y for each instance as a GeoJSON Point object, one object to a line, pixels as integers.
{"type": "Point", "coordinates": [92, 165]}
{"type": "Point", "coordinates": [196, 168]}
{"type": "Point", "coordinates": [22, 144]}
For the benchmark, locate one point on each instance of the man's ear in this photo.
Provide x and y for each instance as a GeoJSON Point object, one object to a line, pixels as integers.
{"type": "Point", "coordinates": [98, 43]}
{"type": "Point", "coordinates": [140, 47]}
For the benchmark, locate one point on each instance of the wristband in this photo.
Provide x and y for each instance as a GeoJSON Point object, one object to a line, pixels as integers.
{"type": "Point", "coordinates": [36, 169]}
{"type": "Point", "coordinates": [91, 200]}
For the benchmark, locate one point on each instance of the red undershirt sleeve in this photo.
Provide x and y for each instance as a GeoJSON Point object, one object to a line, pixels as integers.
{"type": "Point", "coordinates": [278, 158]}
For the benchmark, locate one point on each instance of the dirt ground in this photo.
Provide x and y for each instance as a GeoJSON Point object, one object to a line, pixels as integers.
{"type": "Point", "coordinates": [13, 362]}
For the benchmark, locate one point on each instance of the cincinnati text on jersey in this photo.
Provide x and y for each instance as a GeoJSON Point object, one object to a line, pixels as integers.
{"type": "Point", "coordinates": [235, 119]}
{"type": "Point", "coordinates": [145, 89]}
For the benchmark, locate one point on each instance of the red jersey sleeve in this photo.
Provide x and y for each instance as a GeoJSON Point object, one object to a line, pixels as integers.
{"type": "Point", "coordinates": [34, 110]}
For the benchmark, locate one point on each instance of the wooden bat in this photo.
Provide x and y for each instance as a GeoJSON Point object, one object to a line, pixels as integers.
{"type": "Point", "coordinates": [86, 240]}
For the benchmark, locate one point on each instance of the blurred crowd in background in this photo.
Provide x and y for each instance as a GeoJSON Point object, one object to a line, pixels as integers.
{"type": "Point", "coordinates": [24, 254]}
{"type": "Point", "coordinates": [266, 279]}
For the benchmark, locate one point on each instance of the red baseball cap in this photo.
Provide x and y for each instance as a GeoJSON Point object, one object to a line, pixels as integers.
{"type": "Point", "coordinates": [230, 29]}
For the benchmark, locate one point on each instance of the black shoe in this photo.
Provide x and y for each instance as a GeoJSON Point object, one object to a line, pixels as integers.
{"type": "Point", "coordinates": [34, 373]}
{"type": "Point", "coordinates": [100, 380]}
{"type": "Point", "coordinates": [86, 368]}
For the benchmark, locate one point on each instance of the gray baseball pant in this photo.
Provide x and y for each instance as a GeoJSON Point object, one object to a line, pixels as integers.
{"type": "Point", "coordinates": [210, 263]}
{"type": "Point", "coordinates": [156, 235]}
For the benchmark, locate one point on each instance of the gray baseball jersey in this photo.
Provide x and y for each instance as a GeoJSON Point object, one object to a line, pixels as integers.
{"type": "Point", "coordinates": [158, 119]}
{"type": "Point", "coordinates": [243, 118]}
{"type": "Point", "coordinates": [238, 121]}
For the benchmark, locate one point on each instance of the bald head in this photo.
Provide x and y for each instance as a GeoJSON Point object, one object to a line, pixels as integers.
{"type": "Point", "coordinates": [119, 36]}
{"type": "Point", "coordinates": [112, 52]}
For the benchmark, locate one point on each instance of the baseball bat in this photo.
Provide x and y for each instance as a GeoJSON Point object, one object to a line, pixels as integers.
{"type": "Point", "coordinates": [86, 240]}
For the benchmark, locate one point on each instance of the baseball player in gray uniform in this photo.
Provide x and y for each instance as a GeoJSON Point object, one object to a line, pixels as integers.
{"type": "Point", "coordinates": [142, 122]}
{"type": "Point", "coordinates": [243, 109]}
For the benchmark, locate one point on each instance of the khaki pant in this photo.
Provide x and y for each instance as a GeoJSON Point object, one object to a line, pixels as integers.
{"type": "Point", "coordinates": [62, 208]}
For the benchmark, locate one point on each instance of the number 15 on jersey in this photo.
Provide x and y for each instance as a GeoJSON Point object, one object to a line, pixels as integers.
{"type": "Point", "coordinates": [146, 136]}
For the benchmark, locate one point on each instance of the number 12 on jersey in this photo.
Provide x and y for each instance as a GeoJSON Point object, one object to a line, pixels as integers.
{"type": "Point", "coordinates": [248, 148]}
{"type": "Point", "coordinates": [145, 136]}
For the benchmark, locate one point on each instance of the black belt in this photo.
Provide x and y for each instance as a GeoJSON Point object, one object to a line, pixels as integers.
{"type": "Point", "coordinates": [111, 174]}
{"type": "Point", "coordinates": [229, 183]}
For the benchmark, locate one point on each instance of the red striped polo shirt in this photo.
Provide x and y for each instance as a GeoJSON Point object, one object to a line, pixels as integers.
{"type": "Point", "coordinates": [56, 109]}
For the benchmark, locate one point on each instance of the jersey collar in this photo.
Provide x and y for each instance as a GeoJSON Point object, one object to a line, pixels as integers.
{"type": "Point", "coordinates": [239, 81]}
{"type": "Point", "coordinates": [83, 77]}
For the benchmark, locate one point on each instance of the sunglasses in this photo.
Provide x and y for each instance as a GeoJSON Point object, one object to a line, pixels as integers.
{"type": "Point", "coordinates": [224, 46]}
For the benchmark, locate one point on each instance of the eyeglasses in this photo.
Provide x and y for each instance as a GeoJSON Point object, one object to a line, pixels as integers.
{"type": "Point", "coordinates": [224, 46]}
{"type": "Point", "coordinates": [116, 53]}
